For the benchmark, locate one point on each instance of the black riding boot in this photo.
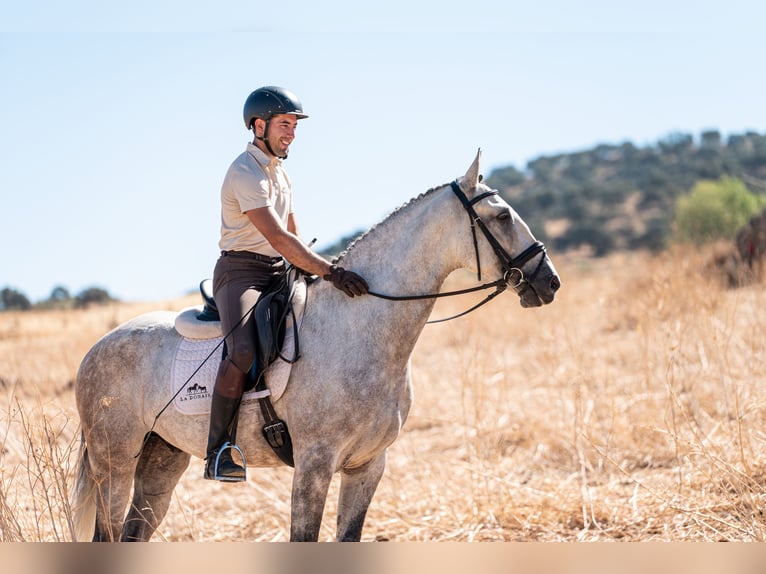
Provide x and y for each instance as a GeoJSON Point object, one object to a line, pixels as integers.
{"type": "Point", "coordinates": [223, 414]}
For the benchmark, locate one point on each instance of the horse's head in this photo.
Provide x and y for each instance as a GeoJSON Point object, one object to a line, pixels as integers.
{"type": "Point", "coordinates": [504, 242]}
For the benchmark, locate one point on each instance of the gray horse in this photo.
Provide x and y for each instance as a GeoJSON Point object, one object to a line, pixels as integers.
{"type": "Point", "coordinates": [348, 396]}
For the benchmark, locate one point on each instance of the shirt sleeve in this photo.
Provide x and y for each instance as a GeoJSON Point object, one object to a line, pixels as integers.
{"type": "Point", "coordinates": [251, 190]}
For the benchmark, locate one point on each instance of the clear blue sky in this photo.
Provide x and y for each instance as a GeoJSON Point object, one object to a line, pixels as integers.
{"type": "Point", "coordinates": [118, 123]}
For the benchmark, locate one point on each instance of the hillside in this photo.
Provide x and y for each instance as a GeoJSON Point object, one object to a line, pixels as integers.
{"type": "Point", "coordinates": [622, 197]}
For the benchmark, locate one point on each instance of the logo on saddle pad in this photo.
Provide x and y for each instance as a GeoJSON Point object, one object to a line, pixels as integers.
{"type": "Point", "coordinates": [199, 354]}
{"type": "Point", "coordinates": [195, 391]}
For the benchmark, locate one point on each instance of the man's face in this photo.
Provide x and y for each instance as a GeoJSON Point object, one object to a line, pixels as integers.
{"type": "Point", "coordinates": [281, 132]}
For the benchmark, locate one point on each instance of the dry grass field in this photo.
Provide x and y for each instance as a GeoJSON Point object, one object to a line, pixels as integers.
{"type": "Point", "coordinates": [631, 409]}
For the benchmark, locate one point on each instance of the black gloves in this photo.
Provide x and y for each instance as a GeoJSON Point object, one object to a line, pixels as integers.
{"type": "Point", "coordinates": [347, 281]}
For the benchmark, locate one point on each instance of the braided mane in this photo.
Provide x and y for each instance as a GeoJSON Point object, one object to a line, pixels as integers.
{"type": "Point", "coordinates": [388, 219]}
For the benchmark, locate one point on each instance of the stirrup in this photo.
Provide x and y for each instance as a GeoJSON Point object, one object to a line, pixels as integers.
{"type": "Point", "coordinates": [228, 446]}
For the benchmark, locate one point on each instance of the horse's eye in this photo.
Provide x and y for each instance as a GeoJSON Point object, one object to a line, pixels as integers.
{"type": "Point", "coordinates": [502, 216]}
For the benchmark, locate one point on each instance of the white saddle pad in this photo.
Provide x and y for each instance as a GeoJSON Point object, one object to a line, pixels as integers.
{"type": "Point", "coordinates": [199, 352]}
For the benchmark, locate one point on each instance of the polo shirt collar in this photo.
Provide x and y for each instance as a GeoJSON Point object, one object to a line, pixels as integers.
{"type": "Point", "coordinates": [262, 157]}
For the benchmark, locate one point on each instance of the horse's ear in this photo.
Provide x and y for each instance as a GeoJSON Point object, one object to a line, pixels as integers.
{"type": "Point", "coordinates": [471, 178]}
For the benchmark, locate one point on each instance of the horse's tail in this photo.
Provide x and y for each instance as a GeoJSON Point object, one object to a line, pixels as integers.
{"type": "Point", "coordinates": [84, 500]}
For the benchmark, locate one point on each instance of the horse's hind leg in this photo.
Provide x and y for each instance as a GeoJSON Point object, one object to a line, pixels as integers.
{"type": "Point", "coordinates": [112, 469]}
{"type": "Point", "coordinates": [159, 470]}
{"type": "Point", "coordinates": [357, 488]}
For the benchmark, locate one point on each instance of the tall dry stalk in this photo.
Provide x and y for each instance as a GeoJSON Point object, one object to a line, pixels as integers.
{"type": "Point", "coordinates": [631, 409]}
{"type": "Point", "coordinates": [34, 488]}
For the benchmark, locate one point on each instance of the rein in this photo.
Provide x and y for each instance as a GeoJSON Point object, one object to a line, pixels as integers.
{"type": "Point", "coordinates": [500, 285]}
{"type": "Point", "coordinates": [513, 276]}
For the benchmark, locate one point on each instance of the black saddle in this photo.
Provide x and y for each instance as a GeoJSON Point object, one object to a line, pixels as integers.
{"type": "Point", "coordinates": [270, 318]}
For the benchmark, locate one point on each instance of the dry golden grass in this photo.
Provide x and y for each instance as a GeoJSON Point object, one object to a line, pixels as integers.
{"type": "Point", "coordinates": [633, 408]}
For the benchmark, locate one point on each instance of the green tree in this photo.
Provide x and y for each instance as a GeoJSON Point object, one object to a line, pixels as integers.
{"type": "Point", "coordinates": [11, 299]}
{"type": "Point", "coordinates": [91, 295]}
{"type": "Point", "coordinates": [60, 294]}
{"type": "Point", "coordinates": [505, 177]}
{"type": "Point", "coordinates": [58, 299]}
{"type": "Point", "coordinates": [714, 210]}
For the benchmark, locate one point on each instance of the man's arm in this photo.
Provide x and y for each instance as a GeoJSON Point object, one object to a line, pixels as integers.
{"type": "Point", "coordinates": [292, 225]}
{"type": "Point", "coordinates": [290, 246]}
{"type": "Point", "coordinates": [286, 241]}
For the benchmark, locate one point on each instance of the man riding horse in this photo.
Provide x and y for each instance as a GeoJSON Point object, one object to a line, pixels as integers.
{"type": "Point", "coordinates": [258, 233]}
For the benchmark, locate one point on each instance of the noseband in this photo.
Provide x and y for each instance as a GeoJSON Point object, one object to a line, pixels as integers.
{"type": "Point", "coordinates": [513, 276]}
{"type": "Point", "coordinates": [512, 273]}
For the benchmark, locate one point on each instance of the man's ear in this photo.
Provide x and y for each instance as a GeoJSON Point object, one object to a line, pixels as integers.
{"type": "Point", "coordinates": [258, 127]}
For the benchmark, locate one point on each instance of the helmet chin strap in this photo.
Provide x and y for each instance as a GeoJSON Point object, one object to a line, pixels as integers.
{"type": "Point", "coordinates": [265, 140]}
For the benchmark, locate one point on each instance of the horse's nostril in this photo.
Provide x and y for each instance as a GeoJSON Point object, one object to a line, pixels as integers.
{"type": "Point", "coordinates": [555, 283]}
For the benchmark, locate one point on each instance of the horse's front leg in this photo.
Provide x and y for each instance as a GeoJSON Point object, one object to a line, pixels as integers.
{"type": "Point", "coordinates": [357, 488]}
{"type": "Point", "coordinates": [313, 473]}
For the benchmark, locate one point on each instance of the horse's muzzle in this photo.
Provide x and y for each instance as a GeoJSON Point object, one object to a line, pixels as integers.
{"type": "Point", "coordinates": [540, 291]}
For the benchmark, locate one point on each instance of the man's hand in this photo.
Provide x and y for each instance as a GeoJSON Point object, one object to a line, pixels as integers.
{"type": "Point", "coordinates": [347, 281]}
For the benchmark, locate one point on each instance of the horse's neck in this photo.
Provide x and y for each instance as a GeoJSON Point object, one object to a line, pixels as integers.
{"type": "Point", "coordinates": [410, 253]}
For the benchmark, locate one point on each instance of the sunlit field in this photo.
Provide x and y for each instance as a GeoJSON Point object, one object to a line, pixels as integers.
{"type": "Point", "coordinates": [631, 409]}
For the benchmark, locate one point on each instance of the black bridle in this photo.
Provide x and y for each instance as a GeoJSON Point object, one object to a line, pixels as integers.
{"type": "Point", "coordinates": [513, 276]}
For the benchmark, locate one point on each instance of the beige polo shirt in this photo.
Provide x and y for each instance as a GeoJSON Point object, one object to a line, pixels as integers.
{"type": "Point", "coordinates": [253, 180]}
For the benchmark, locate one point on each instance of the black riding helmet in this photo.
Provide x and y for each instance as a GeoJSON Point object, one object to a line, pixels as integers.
{"type": "Point", "coordinates": [269, 101]}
